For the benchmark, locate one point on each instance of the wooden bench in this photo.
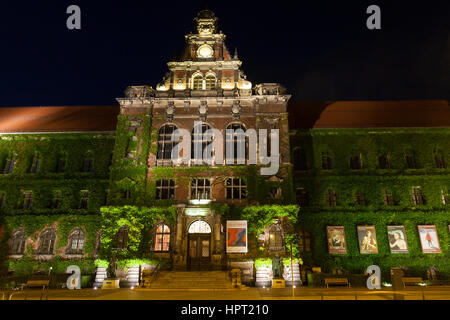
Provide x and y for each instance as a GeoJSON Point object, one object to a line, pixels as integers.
{"type": "Point", "coordinates": [406, 280]}
{"type": "Point", "coordinates": [329, 281]}
{"type": "Point", "coordinates": [36, 283]}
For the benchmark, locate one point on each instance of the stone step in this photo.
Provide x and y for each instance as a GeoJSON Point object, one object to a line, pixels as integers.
{"type": "Point", "coordinates": [192, 279]}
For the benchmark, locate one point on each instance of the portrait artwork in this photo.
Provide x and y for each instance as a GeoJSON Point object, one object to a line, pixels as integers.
{"type": "Point", "coordinates": [336, 240]}
{"type": "Point", "coordinates": [367, 240]}
{"type": "Point", "coordinates": [397, 239]}
{"type": "Point", "coordinates": [429, 239]}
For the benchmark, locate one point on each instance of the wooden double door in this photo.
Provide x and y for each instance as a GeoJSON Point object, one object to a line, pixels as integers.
{"type": "Point", "coordinates": [199, 257]}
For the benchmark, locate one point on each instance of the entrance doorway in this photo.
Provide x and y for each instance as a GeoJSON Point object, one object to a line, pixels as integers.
{"type": "Point", "coordinates": [199, 246]}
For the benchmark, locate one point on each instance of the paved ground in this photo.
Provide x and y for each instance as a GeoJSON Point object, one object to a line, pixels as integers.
{"type": "Point", "coordinates": [414, 293]}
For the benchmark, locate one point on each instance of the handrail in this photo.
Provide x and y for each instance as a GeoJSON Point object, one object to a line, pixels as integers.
{"type": "Point", "coordinates": [154, 275]}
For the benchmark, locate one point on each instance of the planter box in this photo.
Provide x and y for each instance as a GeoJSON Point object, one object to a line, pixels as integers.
{"type": "Point", "coordinates": [264, 277]}
{"type": "Point", "coordinates": [111, 284]}
{"type": "Point", "coordinates": [288, 277]}
{"type": "Point", "coordinates": [100, 275]}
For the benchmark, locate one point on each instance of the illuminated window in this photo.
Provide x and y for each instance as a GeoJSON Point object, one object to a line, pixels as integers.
{"type": "Point", "coordinates": [165, 189]}
{"type": "Point", "coordinates": [121, 238]}
{"type": "Point", "coordinates": [417, 196]}
{"type": "Point", "coordinates": [326, 161]}
{"type": "Point", "coordinates": [356, 162]}
{"type": "Point", "coordinates": [199, 227]}
{"type": "Point", "coordinates": [236, 188]}
{"type": "Point", "coordinates": [302, 197]}
{"type": "Point", "coordinates": [9, 165]}
{"type": "Point", "coordinates": [76, 242]}
{"type": "Point", "coordinates": [383, 162]}
{"type": "Point", "coordinates": [210, 82]}
{"type": "Point", "coordinates": [200, 189]}
{"type": "Point", "coordinates": [84, 197]}
{"type": "Point", "coordinates": [299, 159]}
{"type": "Point", "coordinates": [199, 142]}
{"type": "Point", "coordinates": [161, 238]}
{"type": "Point", "coordinates": [238, 143]}
{"type": "Point", "coordinates": [197, 82]}
{"type": "Point", "coordinates": [388, 198]}
{"type": "Point", "coordinates": [18, 240]}
{"type": "Point", "coordinates": [35, 163]}
{"type": "Point", "coordinates": [27, 199]}
{"type": "Point", "coordinates": [276, 238]}
{"type": "Point", "coordinates": [47, 242]}
{"type": "Point", "coordinates": [165, 143]}
{"type": "Point", "coordinates": [359, 199]}
{"type": "Point", "coordinates": [331, 198]}
{"type": "Point", "coordinates": [275, 193]}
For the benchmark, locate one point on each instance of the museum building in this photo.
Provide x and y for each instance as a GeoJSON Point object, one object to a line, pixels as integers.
{"type": "Point", "coordinates": [80, 185]}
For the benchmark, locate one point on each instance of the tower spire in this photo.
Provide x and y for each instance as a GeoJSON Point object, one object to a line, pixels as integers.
{"type": "Point", "coordinates": [235, 57]}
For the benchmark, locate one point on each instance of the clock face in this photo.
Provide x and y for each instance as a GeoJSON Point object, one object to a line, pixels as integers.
{"type": "Point", "coordinates": [205, 51]}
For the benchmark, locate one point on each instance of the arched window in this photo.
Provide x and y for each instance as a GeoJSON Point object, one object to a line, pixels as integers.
{"type": "Point", "coordinates": [47, 242]}
{"type": "Point", "coordinates": [161, 238]}
{"type": "Point", "coordinates": [276, 238]}
{"type": "Point", "coordinates": [356, 162]}
{"type": "Point", "coordinates": [302, 197]}
{"type": "Point", "coordinates": [199, 226]}
{"type": "Point", "coordinates": [238, 143]}
{"type": "Point", "coordinates": [210, 82]}
{"type": "Point", "coordinates": [299, 159]}
{"type": "Point", "coordinates": [199, 142]}
{"type": "Point", "coordinates": [122, 238]}
{"type": "Point", "coordinates": [326, 161]}
{"type": "Point", "coordinates": [197, 82]}
{"type": "Point", "coordinates": [18, 240]}
{"type": "Point", "coordinates": [439, 160]}
{"type": "Point", "coordinates": [165, 143]}
{"type": "Point", "coordinates": [236, 188]}
{"type": "Point", "coordinates": [61, 162]}
{"type": "Point", "coordinates": [9, 164]}
{"type": "Point", "coordinates": [76, 242]}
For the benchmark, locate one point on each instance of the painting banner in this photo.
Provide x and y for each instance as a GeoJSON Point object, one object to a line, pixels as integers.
{"type": "Point", "coordinates": [237, 236]}
{"type": "Point", "coordinates": [429, 239]}
{"type": "Point", "coordinates": [367, 240]}
{"type": "Point", "coordinates": [336, 240]}
{"type": "Point", "coordinates": [397, 239]}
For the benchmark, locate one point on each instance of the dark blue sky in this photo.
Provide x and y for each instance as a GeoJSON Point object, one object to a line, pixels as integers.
{"type": "Point", "coordinates": [320, 50]}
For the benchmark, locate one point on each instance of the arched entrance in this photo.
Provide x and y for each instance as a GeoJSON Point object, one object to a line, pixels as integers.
{"type": "Point", "coordinates": [199, 245]}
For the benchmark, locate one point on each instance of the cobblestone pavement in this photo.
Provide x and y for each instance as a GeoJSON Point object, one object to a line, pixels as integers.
{"type": "Point", "coordinates": [437, 293]}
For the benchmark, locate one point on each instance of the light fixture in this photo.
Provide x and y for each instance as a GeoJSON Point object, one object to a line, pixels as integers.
{"type": "Point", "coordinates": [95, 288]}
{"type": "Point", "coordinates": [132, 288]}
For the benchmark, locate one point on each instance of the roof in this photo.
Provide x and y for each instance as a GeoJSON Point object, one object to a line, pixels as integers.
{"type": "Point", "coordinates": [302, 115]}
{"type": "Point", "coordinates": [59, 119]}
{"type": "Point", "coordinates": [369, 114]}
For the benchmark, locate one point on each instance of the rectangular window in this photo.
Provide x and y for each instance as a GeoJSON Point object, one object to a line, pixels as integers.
{"type": "Point", "coordinates": [326, 161]}
{"type": "Point", "coordinates": [388, 198]}
{"type": "Point", "coordinates": [84, 195]}
{"type": "Point", "coordinates": [359, 199]}
{"type": "Point", "coordinates": [61, 165]}
{"type": "Point", "coordinates": [331, 198]}
{"type": "Point", "coordinates": [88, 165]}
{"type": "Point", "coordinates": [57, 199]}
{"type": "Point", "coordinates": [302, 197]}
{"type": "Point", "coordinates": [383, 161]}
{"type": "Point", "coordinates": [165, 189]}
{"type": "Point", "coordinates": [236, 188]}
{"type": "Point", "coordinates": [356, 162]}
{"type": "Point", "coordinates": [410, 162]}
{"type": "Point", "coordinates": [35, 163]}
{"type": "Point", "coordinates": [440, 161]}
{"type": "Point", "coordinates": [200, 189]}
{"type": "Point", "coordinates": [417, 196]}
{"type": "Point", "coordinates": [28, 199]}
{"type": "Point", "coordinates": [9, 165]}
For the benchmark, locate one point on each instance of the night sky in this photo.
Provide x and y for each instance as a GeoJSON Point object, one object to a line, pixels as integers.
{"type": "Point", "coordinates": [319, 50]}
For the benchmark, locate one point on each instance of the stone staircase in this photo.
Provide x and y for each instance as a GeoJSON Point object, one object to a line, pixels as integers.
{"type": "Point", "coordinates": [191, 280]}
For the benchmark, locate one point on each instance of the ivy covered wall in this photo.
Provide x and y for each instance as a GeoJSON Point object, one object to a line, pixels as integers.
{"type": "Point", "coordinates": [370, 181]}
